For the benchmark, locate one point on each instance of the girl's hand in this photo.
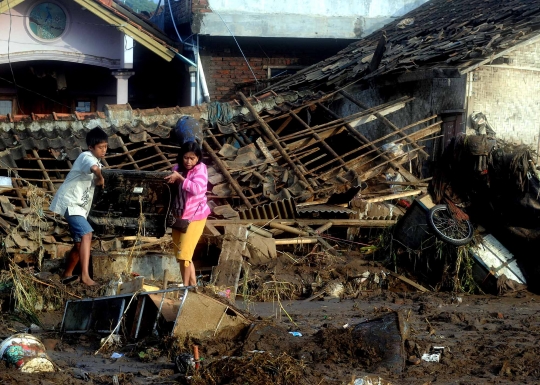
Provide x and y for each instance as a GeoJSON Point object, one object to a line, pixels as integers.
{"type": "Point", "coordinates": [174, 177]}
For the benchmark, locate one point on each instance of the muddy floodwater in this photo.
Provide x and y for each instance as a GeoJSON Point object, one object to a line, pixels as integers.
{"type": "Point", "coordinates": [486, 340]}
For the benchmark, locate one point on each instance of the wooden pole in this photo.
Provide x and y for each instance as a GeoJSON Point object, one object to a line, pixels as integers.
{"type": "Point", "coordinates": [315, 222]}
{"type": "Point", "coordinates": [323, 228]}
{"type": "Point", "coordinates": [288, 229]}
{"type": "Point", "coordinates": [160, 153]}
{"type": "Point", "coordinates": [394, 196]}
{"type": "Point", "coordinates": [362, 139]}
{"type": "Point", "coordinates": [43, 170]}
{"type": "Point", "coordinates": [18, 188]}
{"type": "Point", "coordinates": [283, 125]}
{"type": "Point", "coordinates": [269, 133]}
{"type": "Point", "coordinates": [227, 175]}
{"type": "Point", "coordinates": [384, 120]}
{"type": "Point", "coordinates": [321, 140]}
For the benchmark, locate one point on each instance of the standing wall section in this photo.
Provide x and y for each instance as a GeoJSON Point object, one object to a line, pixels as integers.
{"type": "Point", "coordinates": [508, 93]}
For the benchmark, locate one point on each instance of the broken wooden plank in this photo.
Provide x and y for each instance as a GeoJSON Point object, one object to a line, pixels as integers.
{"type": "Point", "coordinates": [419, 184]}
{"type": "Point", "coordinates": [318, 138]}
{"type": "Point", "coordinates": [227, 272]}
{"type": "Point", "coordinates": [132, 286]}
{"type": "Point", "coordinates": [43, 170]}
{"type": "Point", "coordinates": [210, 229]}
{"type": "Point", "coordinates": [362, 139]}
{"type": "Point", "coordinates": [384, 120]}
{"type": "Point", "coordinates": [378, 54]}
{"type": "Point", "coordinates": [324, 227]}
{"type": "Point", "coordinates": [315, 222]}
{"type": "Point", "coordinates": [288, 229]}
{"type": "Point", "coordinates": [7, 207]}
{"type": "Point", "coordinates": [269, 157]}
{"type": "Point", "coordinates": [407, 280]}
{"type": "Point", "coordinates": [394, 196]}
{"type": "Point", "coordinates": [5, 225]}
{"type": "Point", "coordinates": [160, 153]}
{"type": "Point", "coordinates": [227, 175]}
{"type": "Point", "coordinates": [323, 242]}
{"type": "Point", "coordinates": [268, 131]}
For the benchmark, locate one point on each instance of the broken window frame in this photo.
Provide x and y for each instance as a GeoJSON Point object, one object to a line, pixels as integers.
{"type": "Point", "coordinates": [285, 69]}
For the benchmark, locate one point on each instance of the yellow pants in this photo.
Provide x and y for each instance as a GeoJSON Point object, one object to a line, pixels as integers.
{"type": "Point", "coordinates": [184, 243]}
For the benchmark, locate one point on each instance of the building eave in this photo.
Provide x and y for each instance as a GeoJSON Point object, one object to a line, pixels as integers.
{"type": "Point", "coordinates": [123, 24]}
{"type": "Point", "coordinates": [488, 60]}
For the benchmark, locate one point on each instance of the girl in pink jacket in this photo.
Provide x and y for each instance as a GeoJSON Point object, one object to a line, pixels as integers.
{"type": "Point", "coordinates": [191, 177]}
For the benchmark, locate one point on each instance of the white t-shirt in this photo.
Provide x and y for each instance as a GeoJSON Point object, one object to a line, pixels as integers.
{"type": "Point", "coordinates": [77, 191]}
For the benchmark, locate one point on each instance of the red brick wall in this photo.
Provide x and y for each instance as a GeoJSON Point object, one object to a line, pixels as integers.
{"type": "Point", "coordinates": [227, 72]}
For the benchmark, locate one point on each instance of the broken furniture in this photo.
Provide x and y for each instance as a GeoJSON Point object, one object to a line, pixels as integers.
{"type": "Point", "coordinates": [492, 261]}
{"type": "Point", "coordinates": [137, 315]}
{"type": "Point", "coordinates": [412, 230]}
{"type": "Point", "coordinates": [385, 336]}
{"type": "Point", "coordinates": [132, 202]}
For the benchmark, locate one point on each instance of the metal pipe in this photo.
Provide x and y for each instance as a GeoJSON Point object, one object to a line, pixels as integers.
{"type": "Point", "coordinates": [196, 51]}
{"type": "Point", "coordinates": [205, 93]}
{"type": "Point", "coordinates": [186, 60]}
{"type": "Point", "coordinates": [296, 241]}
{"type": "Point", "coordinates": [192, 84]}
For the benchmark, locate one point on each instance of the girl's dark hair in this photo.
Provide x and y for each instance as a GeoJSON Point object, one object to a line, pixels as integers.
{"type": "Point", "coordinates": [188, 147]}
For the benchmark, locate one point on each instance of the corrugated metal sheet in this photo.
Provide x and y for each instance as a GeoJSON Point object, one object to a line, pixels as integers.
{"type": "Point", "coordinates": [284, 209]}
{"type": "Point", "coordinates": [324, 209]}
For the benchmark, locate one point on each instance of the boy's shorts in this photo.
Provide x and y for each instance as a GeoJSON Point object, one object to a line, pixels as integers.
{"type": "Point", "coordinates": [78, 226]}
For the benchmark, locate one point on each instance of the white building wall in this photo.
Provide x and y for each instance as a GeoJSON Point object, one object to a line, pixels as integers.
{"type": "Point", "coordinates": [509, 96]}
{"type": "Point", "coordinates": [342, 19]}
{"type": "Point", "coordinates": [87, 39]}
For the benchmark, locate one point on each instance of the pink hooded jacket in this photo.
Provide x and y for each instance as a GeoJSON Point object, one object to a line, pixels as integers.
{"type": "Point", "coordinates": [195, 185]}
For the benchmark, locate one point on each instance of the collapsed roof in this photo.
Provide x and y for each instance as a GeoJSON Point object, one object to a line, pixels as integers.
{"type": "Point", "coordinates": [441, 38]}
{"type": "Point", "coordinates": [266, 156]}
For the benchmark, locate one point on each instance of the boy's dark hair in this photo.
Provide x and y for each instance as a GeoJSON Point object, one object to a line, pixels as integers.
{"type": "Point", "coordinates": [188, 147]}
{"type": "Point", "coordinates": [96, 136]}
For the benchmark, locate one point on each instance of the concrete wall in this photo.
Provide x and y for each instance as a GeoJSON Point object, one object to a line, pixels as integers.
{"type": "Point", "coordinates": [340, 19]}
{"type": "Point", "coordinates": [87, 39]}
{"type": "Point", "coordinates": [508, 94]}
{"type": "Point", "coordinates": [432, 96]}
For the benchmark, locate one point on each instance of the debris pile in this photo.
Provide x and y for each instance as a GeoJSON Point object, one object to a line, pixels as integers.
{"type": "Point", "coordinates": [286, 161]}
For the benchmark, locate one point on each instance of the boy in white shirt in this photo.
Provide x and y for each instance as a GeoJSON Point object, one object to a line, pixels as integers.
{"type": "Point", "coordinates": [74, 199]}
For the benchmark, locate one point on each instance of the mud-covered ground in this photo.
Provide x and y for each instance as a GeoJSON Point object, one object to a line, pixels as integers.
{"type": "Point", "coordinates": [486, 340]}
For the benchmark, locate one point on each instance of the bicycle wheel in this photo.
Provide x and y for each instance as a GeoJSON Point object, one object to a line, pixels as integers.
{"type": "Point", "coordinates": [448, 228]}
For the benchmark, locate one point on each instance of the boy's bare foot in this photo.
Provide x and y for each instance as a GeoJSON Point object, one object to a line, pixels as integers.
{"type": "Point", "coordinates": [89, 282]}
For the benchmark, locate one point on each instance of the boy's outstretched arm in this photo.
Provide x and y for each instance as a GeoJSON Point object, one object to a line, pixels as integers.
{"type": "Point", "coordinates": [96, 170]}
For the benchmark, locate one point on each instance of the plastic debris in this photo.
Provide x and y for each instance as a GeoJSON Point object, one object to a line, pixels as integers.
{"type": "Point", "coordinates": [115, 355]}
{"type": "Point", "coordinates": [26, 353]}
{"type": "Point", "coordinates": [296, 334]}
{"type": "Point", "coordinates": [185, 363]}
{"type": "Point", "coordinates": [434, 355]}
{"type": "Point", "coordinates": [225, 294]}
{"type": "Point", "coordinates": [112, 340]}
